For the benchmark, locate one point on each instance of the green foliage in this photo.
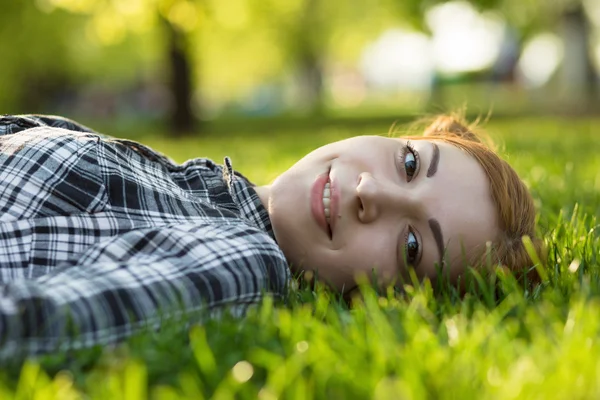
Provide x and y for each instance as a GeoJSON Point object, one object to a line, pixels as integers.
{"type": "Point", "coordinates": [234, 46]}
{"type": "Point", "coordinates": [35, 54]}
{"type": "Point", "coordinates": [501, 340]}
{"type": "Point", "coordinates": [238, 50]}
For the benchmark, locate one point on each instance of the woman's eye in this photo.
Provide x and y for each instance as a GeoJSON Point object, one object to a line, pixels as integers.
{"type": "Point", "coordinates": [412, 248]}
{"type": "Point", "coordinates": [410, 162]}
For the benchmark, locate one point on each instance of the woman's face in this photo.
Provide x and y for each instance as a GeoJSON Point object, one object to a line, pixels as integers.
{"type": "Point", "coordinates": [392, 204]}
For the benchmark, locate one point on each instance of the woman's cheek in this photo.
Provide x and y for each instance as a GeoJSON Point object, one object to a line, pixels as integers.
{"type": "Point", "coordinates": [373, 252]}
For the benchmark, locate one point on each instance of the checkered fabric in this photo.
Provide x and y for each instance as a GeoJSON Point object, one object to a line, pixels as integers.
{"type": "Point", "coordinates": [100, 238]}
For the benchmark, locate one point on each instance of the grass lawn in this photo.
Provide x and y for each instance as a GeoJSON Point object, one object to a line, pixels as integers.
{"type": "Point", "coordinates": [506, 343]}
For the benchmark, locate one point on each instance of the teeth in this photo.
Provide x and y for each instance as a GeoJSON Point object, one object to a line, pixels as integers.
{"type": "Point", "coordinates": [326, 200]}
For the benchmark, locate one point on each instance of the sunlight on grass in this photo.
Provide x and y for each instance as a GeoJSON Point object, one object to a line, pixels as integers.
{"type": "Point", "coordinates": [500, 340]}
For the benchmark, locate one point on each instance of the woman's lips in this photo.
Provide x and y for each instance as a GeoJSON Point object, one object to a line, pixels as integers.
{"type": "Point", "coordinates": [334, 203]}
{"type": "Point", "coordinates": [316, 201]}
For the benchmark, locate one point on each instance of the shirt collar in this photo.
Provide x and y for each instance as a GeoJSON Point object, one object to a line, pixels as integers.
{"type": "Point", "coordinates": [243, 193]}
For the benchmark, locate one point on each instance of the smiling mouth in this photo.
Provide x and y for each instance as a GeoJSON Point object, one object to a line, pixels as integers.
{"type": "Point", "coordinates": [322, 204]}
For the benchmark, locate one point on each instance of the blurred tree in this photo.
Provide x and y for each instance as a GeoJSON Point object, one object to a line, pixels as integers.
{"type": "Point", "coordinates": [182, 118]}
{"type": "Point", "coordinates": [312, 33]}
{"type": "Point", "coordinates": [35, 65]}
{"type": "Point", "coordinates": [243, 45]}
{"type": "Point", "coordinates": [412, 13]}
{"type": "Point", "coordinates": [566, 17]}
{"type": "Point", "coordinates": [578, 77]}
{"type": "Point", "coordinates": [307, 41]}
{"type": "Point", "coordinates": [111, 22]}
{"type": "Point", "coordinates": [303, 36]}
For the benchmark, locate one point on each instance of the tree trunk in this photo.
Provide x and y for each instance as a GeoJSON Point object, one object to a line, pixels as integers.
{"type": "Point", "coordinates": [182, 118]}
{"type": "Point", "coordinates": [311, 84]}
{"type": "Point", "coordinates": [309, 60]}
{"type": "Point", "coordinates": [578, 77]}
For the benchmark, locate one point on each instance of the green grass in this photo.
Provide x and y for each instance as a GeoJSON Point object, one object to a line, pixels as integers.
{"type": "Point", "coordinates": [506, 343]}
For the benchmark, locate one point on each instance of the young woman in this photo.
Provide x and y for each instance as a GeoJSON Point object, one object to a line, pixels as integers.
{"type": "Point", "coordinates": [100, 237]}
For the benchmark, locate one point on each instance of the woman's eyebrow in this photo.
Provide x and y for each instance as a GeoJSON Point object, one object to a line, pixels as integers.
{"type": "Point", "coordinates": [434, 161]}
{"type": "Point", "coordinates": [434, 225]}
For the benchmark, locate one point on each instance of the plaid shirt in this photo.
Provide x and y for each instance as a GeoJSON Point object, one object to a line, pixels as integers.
{"type": "Point", "coordinates": [100, 238]}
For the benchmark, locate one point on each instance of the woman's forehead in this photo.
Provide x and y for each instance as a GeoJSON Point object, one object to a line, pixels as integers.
{"type": "Point", "coordinates": [464, 206]}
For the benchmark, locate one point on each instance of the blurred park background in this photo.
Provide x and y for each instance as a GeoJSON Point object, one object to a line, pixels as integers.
{"type": "Point", "coordinates": [186, 67]}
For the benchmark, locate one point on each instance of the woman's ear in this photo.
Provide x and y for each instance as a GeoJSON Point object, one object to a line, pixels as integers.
{"type": "Point", "coordinates": [447, 125]}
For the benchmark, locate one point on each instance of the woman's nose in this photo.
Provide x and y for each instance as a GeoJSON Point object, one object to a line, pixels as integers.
{"type": "Point", "coordinates": [376, 197]}
{"type": "Point", "coordinates": [366, 194]}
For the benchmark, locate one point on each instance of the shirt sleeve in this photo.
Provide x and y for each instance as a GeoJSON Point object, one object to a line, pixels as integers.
{"type": "Point", "coordinates": [137, 281]}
